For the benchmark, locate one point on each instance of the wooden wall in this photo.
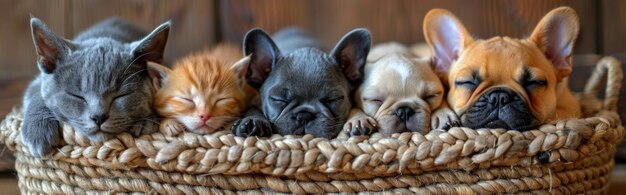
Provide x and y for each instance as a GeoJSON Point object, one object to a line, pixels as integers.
{"type": "Point", "coordinates": [202, 23]}
{"type": "Point", "coordinates": [398, 20]}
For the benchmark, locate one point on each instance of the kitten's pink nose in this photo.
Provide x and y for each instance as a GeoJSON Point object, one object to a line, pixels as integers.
{"type": "Point", "coordinates": [205, 117]}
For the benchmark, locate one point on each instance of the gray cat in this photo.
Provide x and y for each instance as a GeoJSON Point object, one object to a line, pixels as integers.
{"type": "Point", "coordinates": [96, 83]}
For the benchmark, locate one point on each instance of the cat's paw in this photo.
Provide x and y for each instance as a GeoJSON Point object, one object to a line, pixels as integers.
{"type": "Point", "coordinates": [40, 136]}
{"type": "Point", "coordinates": [145, 127]}
{"type": "Point", "coordinates": [171, 127]}
{"type": "Point", "coordinates": [360, 125]}
{"type": "Point", "coordinates": [252, 126]}
{"type": "Point", "coordinates": [444, 118]}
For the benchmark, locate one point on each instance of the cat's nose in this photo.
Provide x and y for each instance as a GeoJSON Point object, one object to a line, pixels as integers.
{"type": "Point", "coordinates": [205, 117]}
{"type": "Point", "coordinates": [99, 119]}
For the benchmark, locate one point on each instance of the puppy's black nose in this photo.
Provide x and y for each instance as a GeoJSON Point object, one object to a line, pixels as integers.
{"type": "Point", "coordinates": [304, 117]}
{"type": "Point", "coordinates": [99, 119]}
{"type": "Point", "coordinates": [404, 113]}
{"type": "Point", "coordinates": [501, 97]}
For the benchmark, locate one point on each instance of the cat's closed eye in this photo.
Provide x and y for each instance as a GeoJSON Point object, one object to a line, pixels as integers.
{"type": "Point", "coordinates": [75, 96]}
{"type": "Point", "coordinates": [185, 99]}
{"type": "Point", "coordinates": [226, 100]}
{"type": "Point", "coordinates": [121, 96]}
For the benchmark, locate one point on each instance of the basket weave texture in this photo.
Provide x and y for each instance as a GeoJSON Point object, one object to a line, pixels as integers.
{"type": "Point", "coordinates": [567, 156]}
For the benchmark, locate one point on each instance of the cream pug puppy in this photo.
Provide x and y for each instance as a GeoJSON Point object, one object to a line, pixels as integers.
{"type": "Point", "coordinates": [400, 92]}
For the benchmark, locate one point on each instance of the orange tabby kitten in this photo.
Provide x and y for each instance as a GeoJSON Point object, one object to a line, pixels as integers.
{"type": "Point", "coordinates": [203, 91]}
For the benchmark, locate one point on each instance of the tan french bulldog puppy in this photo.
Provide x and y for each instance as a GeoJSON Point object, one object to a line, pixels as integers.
{"type": "Point", "coordinates": [504, 82]}
{"type": "Point", "coordinates": [400, 92]}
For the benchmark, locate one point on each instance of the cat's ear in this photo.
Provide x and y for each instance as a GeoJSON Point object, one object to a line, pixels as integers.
{"type": "Point", "coordinates": [240, 67]}
{"type": "Point", "coordinates": [351, 53]}
{"type": "Point", "coordinates": [49, 47]}
{"type": "Point", "coordinates": [263, 54]}
{"type": "Point", "coordinates": [151, 47]}
{"type": "Point", "coordinates": [158, 74]}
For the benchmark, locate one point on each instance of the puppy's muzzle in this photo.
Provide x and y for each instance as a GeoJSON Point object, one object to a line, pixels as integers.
{"type": "Point", "coordinates": [303, 117]}
{"type": "Point", "coordinates": [404, 113]}
{"type": "Point", "coordinates": [499, 108]}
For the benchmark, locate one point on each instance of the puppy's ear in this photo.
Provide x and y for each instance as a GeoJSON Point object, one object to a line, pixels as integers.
{"type": "Point", "coordinates": [151, 47]}
{"type": "Point", "coordinates": [351, 53]}
{"type": "Point", "coordinates": [263, 55]}
{"type": "Point", "coordinates": [446, 36]}
{"type": "Point", "coordinates": [158, 74]}
{"type": "Point", "coordinates": [555, 36]}
{"type": "Point", "coordinates": [50, 47]}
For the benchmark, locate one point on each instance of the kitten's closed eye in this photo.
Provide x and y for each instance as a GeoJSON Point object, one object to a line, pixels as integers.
{"type": "Point", "coordinates": [185, 99]}
{"type": "Point", "coordinates": [75, 96]}
{"type": "Point", "coordinates": [226, 100]}
{"type": "Point", "coordinates": [121, 96]}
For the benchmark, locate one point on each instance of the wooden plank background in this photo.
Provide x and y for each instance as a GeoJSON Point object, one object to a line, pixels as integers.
{"type": "Point", "coordinates": [202, 23]}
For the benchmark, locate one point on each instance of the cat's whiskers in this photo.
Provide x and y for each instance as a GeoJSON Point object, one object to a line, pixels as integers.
{"type": "Point", "coordinates": [135, 59]}
{"type": "Point", "coordinates": [131, 83]}
{"type": "Point", "coordinates": [132, 75]}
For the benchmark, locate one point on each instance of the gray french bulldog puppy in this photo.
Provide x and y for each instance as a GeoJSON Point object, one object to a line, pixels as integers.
{"type": "Point", "coordinates": [302, 89]}
{"type": "Point", "coordinates": [96, 83]}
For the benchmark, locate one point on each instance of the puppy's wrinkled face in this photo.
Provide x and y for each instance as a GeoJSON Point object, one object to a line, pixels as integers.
{"type": "Point", "coordinates": [306, 91]}
{"type": "Point", "coordinates": [400, 92]}
{"type": "Point", "coordinates": [503, 82]}
{"type": "Point", "coordinates": [306, 94]}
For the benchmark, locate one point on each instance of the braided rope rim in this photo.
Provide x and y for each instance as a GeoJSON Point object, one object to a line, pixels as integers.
{"type": "Point", "coordinates": [577, 155]}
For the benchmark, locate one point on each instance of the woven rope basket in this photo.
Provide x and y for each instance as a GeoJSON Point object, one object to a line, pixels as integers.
{"type": "Point", "coordinates": [569, 156]}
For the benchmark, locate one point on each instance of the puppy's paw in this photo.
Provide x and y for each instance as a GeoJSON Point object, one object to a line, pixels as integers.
{"type": "Point", "coordinates": [360, 125]}
{"type": "Point", "coordinates": [444, 118]}
{"type": "Point", "coordinates": [171, 127]}
{"type": "Point", "coordinates": [252, 126]}
{"type": "Point", "coordinates": [40, 136]}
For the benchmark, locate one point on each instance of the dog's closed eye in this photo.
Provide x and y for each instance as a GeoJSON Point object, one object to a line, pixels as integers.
{"type": "Point", "coordinates": [277, 99]}
{"type": "Point", "coordinates": [471, 85]}
{"type": "Point", "coordinates": [532, 84]}
{"type": "Point", "coordinates": [433, 95]}
{"type": "Point", "coordinates": [373, 100]}
{"type": "Point", "coordinates": [332, 99]}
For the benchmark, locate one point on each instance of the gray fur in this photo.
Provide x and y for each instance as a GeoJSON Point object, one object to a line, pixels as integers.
{"type": "Point", "coordinates": [99, 76]}
{"type": "Point", "coordinates": [304, 82]}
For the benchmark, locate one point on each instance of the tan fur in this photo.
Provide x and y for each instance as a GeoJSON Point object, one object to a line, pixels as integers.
{"type": "Point", "coordinates": [213, 85]}
{"type": "Point", "coordinates": [500, 62]}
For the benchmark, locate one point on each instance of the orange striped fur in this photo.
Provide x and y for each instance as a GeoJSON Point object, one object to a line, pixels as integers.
{"type": "Point", "coordinates": [205, 85]}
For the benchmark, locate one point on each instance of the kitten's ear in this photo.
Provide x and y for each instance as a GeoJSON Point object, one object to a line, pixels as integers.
{"type": "Point", "coordinates": [351, 53]}
{"type": "Point", "coordinates": [49, 47]}
{"type": "Point", "coordinates": [158, 74]}
{"type": "Point", "coordinates": [263, 54]}
{"type": "Point", "coordinates": [555, 36]}
{"type": "Point", "coordinates": [151, 47]}
{"type": "Point", "coordinates": [446, 36]}
{"type": "Point", "coordinates": [240, 67]}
